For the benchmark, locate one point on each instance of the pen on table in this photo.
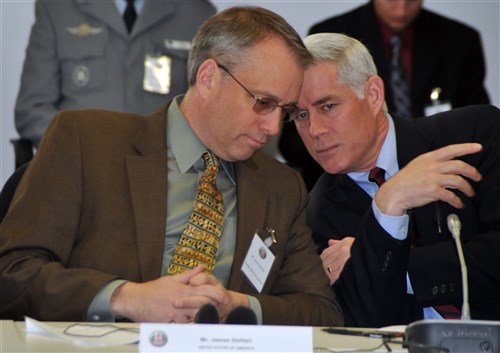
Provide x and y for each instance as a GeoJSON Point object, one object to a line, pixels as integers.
{"type": "Point", "coordinates": [370, 334]}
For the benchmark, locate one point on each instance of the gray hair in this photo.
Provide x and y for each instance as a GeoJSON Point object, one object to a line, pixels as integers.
{"type": "Point", "coordinates": [228, 35]}
{"type": "Point", "coordinates": [353, 61]}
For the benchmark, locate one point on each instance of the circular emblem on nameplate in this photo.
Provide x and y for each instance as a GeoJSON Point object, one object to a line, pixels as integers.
{"type": "Point", "coordinates": [262, 253]}
{"type": "Point", "coordinates": [158, 338]}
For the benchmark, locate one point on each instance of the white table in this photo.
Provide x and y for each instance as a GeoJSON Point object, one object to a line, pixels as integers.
{"type": "Point", "coordinates": [15, 339]}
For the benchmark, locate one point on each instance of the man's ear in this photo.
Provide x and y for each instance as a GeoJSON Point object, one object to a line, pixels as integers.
{"type": "Point", "coordinates": [207, 77]}
{"type": "Point", "coordinates": [374, 93]}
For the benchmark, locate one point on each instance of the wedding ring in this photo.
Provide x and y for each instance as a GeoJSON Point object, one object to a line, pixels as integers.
{"type": "Point", "coordinates": [329, 269]}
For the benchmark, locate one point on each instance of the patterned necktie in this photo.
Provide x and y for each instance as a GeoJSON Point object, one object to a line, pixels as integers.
{"type": "Point", "coordinates": [200, 239]}
{"type": "Point", "coordinates": [377, 176]}
{"type": "Point", "coordinates": [448, 312]}
{"type": "Point", "coordinates": [130, 15]}
{"type": "Point", "coordinates": [399, 84]}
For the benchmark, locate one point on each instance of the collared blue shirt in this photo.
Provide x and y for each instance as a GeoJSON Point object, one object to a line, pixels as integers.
{"type": "Point", "coordinates": [396, 226]}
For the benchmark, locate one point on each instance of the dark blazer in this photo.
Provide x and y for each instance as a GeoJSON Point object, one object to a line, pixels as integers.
{"type": "Point", "coordinates": [446, 54]}
{"type": "Point", "coordinates": [92, 208]}
{"type": "Point", "coordinates": [372, 288]}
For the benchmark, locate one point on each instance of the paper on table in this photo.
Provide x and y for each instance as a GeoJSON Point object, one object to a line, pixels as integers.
{"type": "Point", "coordinates": [90, 334]}
{"type": "Point", "coordinates": [396, 330]}
{"type": "Point", "coordinates": [393, 329]}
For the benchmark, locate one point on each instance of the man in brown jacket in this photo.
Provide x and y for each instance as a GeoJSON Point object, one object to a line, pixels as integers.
{"type": "Point", "coordinates": [95, 220]}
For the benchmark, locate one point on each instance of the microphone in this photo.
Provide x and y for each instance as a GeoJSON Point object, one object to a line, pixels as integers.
{"type": "Point", "coordinates": [455, 228]}
{"type": "Point", "coordinates": [207, 314]}
{"type": "Point", "coordinates": [241, 315]}
{"type": "Point", "coordinates": [466, 335]}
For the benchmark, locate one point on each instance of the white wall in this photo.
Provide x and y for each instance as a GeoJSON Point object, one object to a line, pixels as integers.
{"type": "Point", "coordinates": [16, 17]}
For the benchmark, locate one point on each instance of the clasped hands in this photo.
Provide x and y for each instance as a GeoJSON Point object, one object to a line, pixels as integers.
{"type": "Point", "coordinates": [427, 178]}
{"type": "Point", "coordinates": [175, 298]}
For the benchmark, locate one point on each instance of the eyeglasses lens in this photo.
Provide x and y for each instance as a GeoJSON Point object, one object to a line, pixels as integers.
{"type": "Point", "coordinates": [289, 113]}
{"type": "Point", "coordinates": [264, 106]}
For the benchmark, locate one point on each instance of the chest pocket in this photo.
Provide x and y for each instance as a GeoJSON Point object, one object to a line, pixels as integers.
{"type": "Point", "coordinates": [177, 53]}
{"type": "Point", "coordinates": [81, 51]}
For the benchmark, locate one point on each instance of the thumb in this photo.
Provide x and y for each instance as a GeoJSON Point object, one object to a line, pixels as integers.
{"type": "Point", "coordinates": [332, 242]}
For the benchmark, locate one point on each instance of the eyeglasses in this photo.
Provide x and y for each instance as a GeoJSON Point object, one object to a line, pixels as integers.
{"type": "Point", "coordinates": [264, 106]}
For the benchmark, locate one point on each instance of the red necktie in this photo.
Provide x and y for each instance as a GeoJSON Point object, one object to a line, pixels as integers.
{"type": "Point", "coordinates": [377, 176]}
{"type": "Point", "coordinates": [448, 311]}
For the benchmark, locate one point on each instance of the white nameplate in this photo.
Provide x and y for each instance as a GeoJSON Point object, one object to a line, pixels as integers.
{"type": "Point", "coordinates": [182, 338]}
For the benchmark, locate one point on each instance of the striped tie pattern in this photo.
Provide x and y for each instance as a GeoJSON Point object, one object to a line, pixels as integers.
{"type": "Point", "coordinates": [448, 312]}
{"type": "Point", "coordinates": [201, 236]}
{"type": "Point", "coordinates": [399, 84]}
{"type": "Point", "coordinates": [377, 176]}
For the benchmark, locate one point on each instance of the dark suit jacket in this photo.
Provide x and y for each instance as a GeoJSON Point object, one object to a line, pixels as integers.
{"type": "Point", "coordinates": [372, 288]}
{"type": "Point", "coordinates": [92, 208]}
{"type": "Point", "coordinates": [446, 54]}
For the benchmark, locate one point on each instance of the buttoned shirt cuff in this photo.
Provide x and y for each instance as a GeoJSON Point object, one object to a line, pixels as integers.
{"type": "Point", "coordinates": [256, 307]}
{"type": "Point", "coordinates": [396, 226]}
{"type": "Point", "coordinates": [100, 308]}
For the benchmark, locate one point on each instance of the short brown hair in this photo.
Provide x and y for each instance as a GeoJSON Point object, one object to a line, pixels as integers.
{"type": "Point", "coordinates": [227, 35]}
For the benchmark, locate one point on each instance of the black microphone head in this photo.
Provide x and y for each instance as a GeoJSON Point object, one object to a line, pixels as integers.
{"type": "Point", "coordinates": [241, 315]}
{"type": "Point", "coordinates": [207, 314]}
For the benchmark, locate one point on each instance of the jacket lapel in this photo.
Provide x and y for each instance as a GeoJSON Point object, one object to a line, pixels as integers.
{"type": "Point", "coordinates": [251, 216]}
{"type": "Point", "coordinates": [348, 203]}
{"type": "Point", "coordinates": [415, 140]}
{"type": "Point", "coordinates": [147, 173]}
{"type": "Point", "coordinates": [152, 13]}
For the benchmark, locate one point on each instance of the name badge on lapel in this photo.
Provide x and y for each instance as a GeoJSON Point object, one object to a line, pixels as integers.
{"type": "Point", "coordinates": [259, 260]}
{"type": "Point", "coordinates": [437, 106]}
{"type": "Point", "coordinates": [157, 73]}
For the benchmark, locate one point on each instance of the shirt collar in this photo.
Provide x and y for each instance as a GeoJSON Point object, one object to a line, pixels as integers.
{"type": "Point", "coordinates": [185, 145]}
{"type": "Point", "coordinates": [387, 32]}
{"type": "Point", "coordinates": [122, 5]}
{"type": "Point", "coordinates": [387, 158]}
